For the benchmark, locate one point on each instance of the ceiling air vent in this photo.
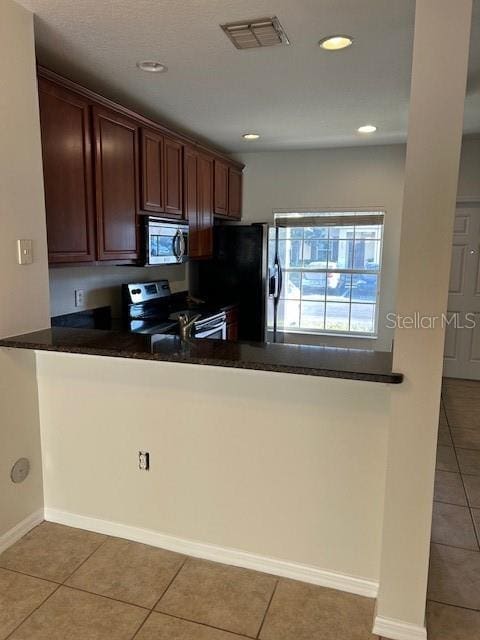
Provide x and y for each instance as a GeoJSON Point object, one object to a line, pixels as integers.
{"type": "Point", "coordinates": [251, 34]}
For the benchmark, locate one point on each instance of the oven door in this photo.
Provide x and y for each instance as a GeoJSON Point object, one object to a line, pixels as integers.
{"type": "Point", "coordinates": [165, 243]}
{"type": "Point", "coordinates": [216, 329]}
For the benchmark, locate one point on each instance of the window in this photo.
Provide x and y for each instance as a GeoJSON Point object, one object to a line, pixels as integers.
{"type": "Point", "coordinates": [331, 265]}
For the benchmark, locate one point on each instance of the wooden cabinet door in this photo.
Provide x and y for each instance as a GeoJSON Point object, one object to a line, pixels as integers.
{"type": "Point", "coordinates": [117, 192]}
{"type": "Point", "coordinates": [234, 193]}
{"type": "Point", "coordinates": [232, 324]}
{"type": "Point", "coordinates": [232, 331]}
{"type": "Point", "coordinates": [173, 178]}
{"type": "Point", "coordinates": [152, 168]}
{"type": "Point", "coordinates": [221, 188]}
{"type": "Point", "coordinates": [205, 203]}
{"type": "Point", "coordinates": [199, 203]}
{"type": "Point", "coordinates": [68, 176]}
{"type": "Point", "coordinates": [191, 203]}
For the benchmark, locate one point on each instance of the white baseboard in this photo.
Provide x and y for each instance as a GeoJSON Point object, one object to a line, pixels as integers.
{"type": "Point", "coordinates": [293, 570]}
{"type": "Point", "coordinates": [19, 530]}
{"type": "Point", "coordinates": [398, 630]}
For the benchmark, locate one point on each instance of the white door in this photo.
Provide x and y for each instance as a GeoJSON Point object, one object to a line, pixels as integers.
{"type": "Point", "coordinates": [462, 336]}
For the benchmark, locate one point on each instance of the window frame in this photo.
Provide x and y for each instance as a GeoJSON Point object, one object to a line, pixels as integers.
{"type": "Point", "coordinates": [326, 213]}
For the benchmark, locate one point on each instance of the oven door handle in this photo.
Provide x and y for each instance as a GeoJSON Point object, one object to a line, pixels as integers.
{"type": "Point", "coordinates": [208, 329]}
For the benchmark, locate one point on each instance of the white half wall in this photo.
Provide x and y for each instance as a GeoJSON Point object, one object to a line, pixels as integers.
{"type": "Point", "coordinates": [24, 304]}
{"type": "Point", "coordinates": [275, 465]}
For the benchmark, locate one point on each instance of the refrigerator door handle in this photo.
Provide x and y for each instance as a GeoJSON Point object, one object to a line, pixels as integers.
{"type": "Point", "coordinates": [279, 280]}
{"type": "Point", "coordinates": [272, 281]}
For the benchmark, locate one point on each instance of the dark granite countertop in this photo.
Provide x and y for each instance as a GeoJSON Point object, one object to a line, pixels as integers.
{"type": "Point", "coordinates": [353, 364]}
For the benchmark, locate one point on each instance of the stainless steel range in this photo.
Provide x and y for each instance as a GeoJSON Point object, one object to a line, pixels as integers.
{"type": "Point", "coordinates": [151, 308]}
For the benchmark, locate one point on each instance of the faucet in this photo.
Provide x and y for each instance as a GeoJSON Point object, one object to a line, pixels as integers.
{"type": "Point", "coordinates": [186, 325]}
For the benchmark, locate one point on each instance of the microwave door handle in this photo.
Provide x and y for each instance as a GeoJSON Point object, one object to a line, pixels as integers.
{"type": "Point", "coordinates": [181, 242]}
{"type": "Point", "coordinates": [176, 247]}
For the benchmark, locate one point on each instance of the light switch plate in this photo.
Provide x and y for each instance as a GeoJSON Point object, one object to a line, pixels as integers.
{"type": "Point", "coordinates": [25, 251]}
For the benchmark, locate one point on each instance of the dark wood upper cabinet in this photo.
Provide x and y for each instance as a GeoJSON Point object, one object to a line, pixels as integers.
{"type": "Point", "coordinates": [198, 179]}
{"type": "Point", "coordinates": [191, 202]}
{"type": "Point", "coordinates": [152, 170]}
{"type": "Point", "coordinates": [205, 169]}
{"type": "Point", "coordinates": [105, 164]}
{"type": "Point", "coordinates": [221, 188]}
{"type": "Point", "coordinates": [173, 178]}
{"type": "Point", "coordinates": [234, 193]}
{"type": "Point", "coordinates": [117, 185]}
{"type": "Point", "coordinates": [67, 170]}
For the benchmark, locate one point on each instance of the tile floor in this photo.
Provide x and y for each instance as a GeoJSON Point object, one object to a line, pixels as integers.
{"type": "Point", "coordinates": [453, 609]}
{"type": "Point", "coordinates": [59, 583]}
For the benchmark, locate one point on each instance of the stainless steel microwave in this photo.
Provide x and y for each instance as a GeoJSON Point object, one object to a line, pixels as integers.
{"type": "Point", "coordinates": [166, 242]}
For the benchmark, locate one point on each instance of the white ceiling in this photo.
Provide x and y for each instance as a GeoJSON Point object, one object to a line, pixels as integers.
{"type": "Point", "coordinates": [295, 96]}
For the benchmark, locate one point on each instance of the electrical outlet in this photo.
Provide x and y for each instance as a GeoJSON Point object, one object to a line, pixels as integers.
{"type": "Point", "coordinates": [25, 251]}
{"type": "Point", "coordinates": [144, 460]}
{"type": "Point", "coordinates": [79, 297]}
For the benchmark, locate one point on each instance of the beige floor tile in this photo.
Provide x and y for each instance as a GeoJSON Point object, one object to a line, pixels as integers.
{"type": "Point", "coordinates": [462, 396]}
{"type": "Point", "coordinates": [462, 399]}
{"type": "Point", "coordinates": [442, 420]}
{"type": "Point", "coordinates": [161, 627]}
{"type": "Point", "coordinates": [472, 487]}
{"type": "Point", "coordinates": [464, 418]}
{"type": "Point", "coordinates": [446, 460]}
{"type": "Point", "coordinates": [444, 436]}
{"type": "Point", "coordinates": [219, 595]}
{"type": "Point", "coordinates": [128, 571]}
{"type": "Point", "coordinates": [449, 488]}
{"type": "Point", "coordinates": [452, 623]}
{"type": "Point", "coordinates": [454, 576]}
{"type": "Point", "coordinates": [75, 615]}
{"type": "Point", "coordinates": [466, 438]}
{"type": "Point", "coordinates": [19, 596]}
{"type": "Point", "coordinates": [452, 524]}
{"type": "Point", "coordinates": [476, 520]}
{"type": "Point", "coordinates": [51, 551]}
{"type": "Point", "coordinates": [469, 461]}
{"type": "Point", "coordinates": [460, 389]}
{"type": "Point", "coordinates": [302, 611]}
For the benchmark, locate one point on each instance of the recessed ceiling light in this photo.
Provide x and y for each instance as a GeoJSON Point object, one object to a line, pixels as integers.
{"type": "Point", "coordinates": [335, 43]}
{"type": "Point", "coordinates": [251, 136]}
{"type": "Point", "coordinates": [152, 66]}
{"type": "Point", "coordinates": [367, 128]}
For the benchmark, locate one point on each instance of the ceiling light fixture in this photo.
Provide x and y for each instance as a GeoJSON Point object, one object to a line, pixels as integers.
{"type": "Point", "coordinates": [251, 136]}
{"type": "Point", "coordinates": [335, 43]}
{"type": "Point", "coordinates": [152, 66]}
{"type": "Point", "coordinates": [367, 128]}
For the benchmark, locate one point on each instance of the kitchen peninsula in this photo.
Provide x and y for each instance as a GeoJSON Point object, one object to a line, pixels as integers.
{"type": "Point", "coordinates": [353, 364]}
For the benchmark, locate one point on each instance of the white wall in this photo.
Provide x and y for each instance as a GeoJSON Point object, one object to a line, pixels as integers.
{"type": "Point", "coordinates": [24, 304]}
{"type": "Point", "coordinates": [284, 466]}
{"type": "Point", "coordinates": [469, 177]}
{"type": "Point", "coordinates": [348, 177]}
{"type": "Point", "coordinates": [430, 194]}
{"type": "Point", "coordinates": [19, 438]}
{"type": "Point", "coordinates": [102, 285]}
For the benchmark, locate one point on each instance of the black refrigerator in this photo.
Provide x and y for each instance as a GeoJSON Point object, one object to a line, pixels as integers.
{"type": "Point", "coordinates": [245, 269]}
